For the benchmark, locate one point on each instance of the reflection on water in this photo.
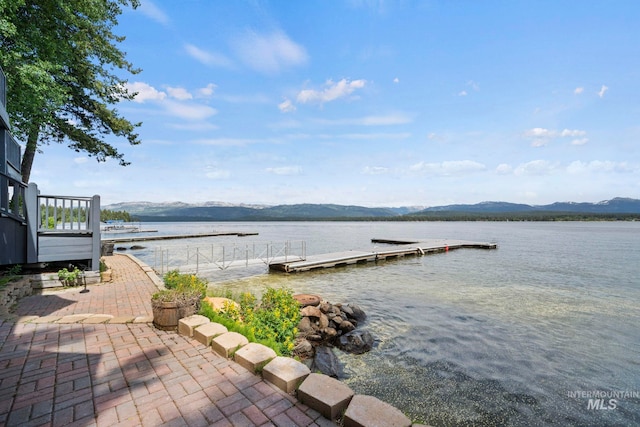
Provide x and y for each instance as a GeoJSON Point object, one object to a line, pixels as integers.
{"type": "Point", "coordinates": [477, 337]}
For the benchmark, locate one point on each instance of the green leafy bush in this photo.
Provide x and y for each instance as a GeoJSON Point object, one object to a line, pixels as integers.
{"type": "Point", "coordinates": [272, 322]}
{"type": "Point", "coordinates": [186, 290]}
{"type": "Point", "coordinates": [185, 283]}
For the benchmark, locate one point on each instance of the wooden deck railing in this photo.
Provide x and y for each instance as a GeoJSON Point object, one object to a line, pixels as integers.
{"type": "Point", "coordinates": [12, 153]}
{"type": "Point", "coordinates": [64, 214]}
{"type": "Point", "coordinates": [68, 228]}
{"type": "Point", "coordinates": [12, 198]}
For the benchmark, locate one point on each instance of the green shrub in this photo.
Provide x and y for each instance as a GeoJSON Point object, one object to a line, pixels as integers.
{"type": "Point", "coordinates": [185, 282]}
{"type": "Point", "coordinates": [272, 322]}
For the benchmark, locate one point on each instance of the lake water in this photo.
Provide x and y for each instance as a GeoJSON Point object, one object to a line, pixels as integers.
{"type": "Point", "coordinates": [532, 333]}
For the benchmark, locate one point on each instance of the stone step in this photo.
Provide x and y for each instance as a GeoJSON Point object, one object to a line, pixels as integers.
{"type": "Point", "coordinates": [208, 331]}
{"type": "Point", "coordinates": [326, 395]}
{"type": "Point", "coordinates": [368, 411]}
{"type": "Point", "coordinates": [226, 344]}
{"type": "Point", "coordinates": [253, 356]}
{"type": "Point", "coordinates": [186, 325]}
{"type": "Point", "coordinates": [285, 373]}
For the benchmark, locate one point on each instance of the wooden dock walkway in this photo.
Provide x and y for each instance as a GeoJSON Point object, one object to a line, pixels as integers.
{"type": "Point", "coordinates": [172, 237]}
{"type": "Point", "coordinates": [398, 248]}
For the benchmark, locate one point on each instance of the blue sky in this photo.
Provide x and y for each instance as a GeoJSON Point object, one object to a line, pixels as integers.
{"type": "Point", "coordinates": [373, 103]}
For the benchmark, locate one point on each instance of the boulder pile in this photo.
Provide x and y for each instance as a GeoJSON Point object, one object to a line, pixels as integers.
{"type": "Point", "coordinates": [324, 326]}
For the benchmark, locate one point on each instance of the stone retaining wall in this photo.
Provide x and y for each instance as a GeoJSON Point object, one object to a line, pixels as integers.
{"type": "Point", "coordinates": [328, 396]}
{"type": "Point", "coordinates": [12, 292]}
{"type": "Point", "coordinates": [25, 286]}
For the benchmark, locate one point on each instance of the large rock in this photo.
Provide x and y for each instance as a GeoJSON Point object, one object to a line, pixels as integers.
{"type": "Point", "coordinates": [326, 362]}
{"type": "Point", "coordinates": [307, 299]}
{"type": "Point", "coordinates": [303, 349]}
{"type": "Point", "coordinates": [356, 342]}
{"type": "Point", "coordinates": [358, 313]}
{"type": "Point", "coordinates": [346, 326]}
{"type": "Point", "coordinates": [311, 311]}
{"type": "Point", "coordinates": [305, 326]}
{"type": "Point", "coordinates": [323, 321]}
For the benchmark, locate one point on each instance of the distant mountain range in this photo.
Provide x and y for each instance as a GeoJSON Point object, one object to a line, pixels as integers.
{"type": "Point", "coordinates": [220, 211]}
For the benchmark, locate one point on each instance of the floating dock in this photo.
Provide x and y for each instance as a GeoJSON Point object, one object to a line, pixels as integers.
{"type": "Point", "coordinates": [172, 237]}
{"type": "Point", "coordinates": [400, 248]}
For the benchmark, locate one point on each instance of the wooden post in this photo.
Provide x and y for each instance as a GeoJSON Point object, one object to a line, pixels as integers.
{"type": "Point", "coordinates": [94, 221]}
{"type": "Point", "coordinates": [33, 221]}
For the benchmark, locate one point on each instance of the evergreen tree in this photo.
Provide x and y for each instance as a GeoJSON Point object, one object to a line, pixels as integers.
{"type": "Point", "coordinates": [62, 65]}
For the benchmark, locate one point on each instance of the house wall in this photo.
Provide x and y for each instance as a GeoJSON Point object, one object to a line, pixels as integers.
{"type": "Point", "coordinates": [13, 242]}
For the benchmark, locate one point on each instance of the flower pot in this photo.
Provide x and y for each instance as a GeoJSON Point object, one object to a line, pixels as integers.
{"type": "Point", "coordinates": [166, 315]}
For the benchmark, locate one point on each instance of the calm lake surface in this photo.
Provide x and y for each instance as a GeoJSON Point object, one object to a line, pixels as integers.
{"type": "Point", "coordinates": [529, 334]}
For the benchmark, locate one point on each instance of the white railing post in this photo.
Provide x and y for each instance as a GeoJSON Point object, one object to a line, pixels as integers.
{"type": "Point", "coordinates": [33, 221]}
{"type": "Point", "coordinates": [93, 220]}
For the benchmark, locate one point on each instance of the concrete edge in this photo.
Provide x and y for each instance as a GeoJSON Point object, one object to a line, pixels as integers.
{"type": "Point", "coordinates": [148, 271]}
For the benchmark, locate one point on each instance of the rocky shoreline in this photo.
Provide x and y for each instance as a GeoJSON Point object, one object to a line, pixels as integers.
{"type": "Point", "coordinates": [325, 326]}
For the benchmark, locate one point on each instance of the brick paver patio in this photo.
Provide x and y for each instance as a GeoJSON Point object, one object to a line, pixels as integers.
{"type": "Point", "coordinates": [122, 373]}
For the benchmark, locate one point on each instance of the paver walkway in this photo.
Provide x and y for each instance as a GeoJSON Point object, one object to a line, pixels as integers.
{"type": "Point", "coordinates": [125, 374]}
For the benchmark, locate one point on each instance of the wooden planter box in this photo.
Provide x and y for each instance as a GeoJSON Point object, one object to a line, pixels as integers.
{"type": "Point", "coordinates": [165, 315]}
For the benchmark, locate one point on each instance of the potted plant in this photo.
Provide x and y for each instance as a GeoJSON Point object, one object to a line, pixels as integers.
{"type": "Point", "coordinates": [181, 298]}
{"type": "Point", "coordinates": [70, 278]}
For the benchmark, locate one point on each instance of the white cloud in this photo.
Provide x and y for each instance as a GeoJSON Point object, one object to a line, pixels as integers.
{"type": "Point", "coordinates": [145, 92]}
{"type": "Point", "coordinates": [331, 92]}
{"type": "Point", "coordinates": [602, 91]}
{"type": "Point", "coordinates": [538, 133]}
{"type": "Point", "coordinates": [80, 160]}
{"type": "Point", "coordinates": [285, 170]}
{"type": "Point", "coordinates": [148, 8]}
{"type": "Point", "coordinates": [269, 53]}
{"type": "Point", "coordinates": [179, 93]}
{"type": "Point", "coordinates": [287, 106]}
{"type": "Point", "coordinates": [207, 58]}
{"type": "Point", "coordinates": [572, 133]}
{"type": "Point", "coordinates": [396, 80]}
{"type": "Point", "coordinates": [541, 136]}
{"type": "Point", "coordinates": [504, 169]}
{"type": "Point", "coordinates": [374, 170]}
{"type": "Point", "coordinates": [462, 93]}
{"type": "Point", "coordinates": [448, 168]}
{"type": "Point", "coordinates": [189, 111]}
{"type": "Point", "coordinates": [580, 141]}
{"type": "Point", "coordinates": [207, 90]}
{"type": "Point", "coordinates": [535, 167]}
{"type": "Point", "coordinates": [578, 90]}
